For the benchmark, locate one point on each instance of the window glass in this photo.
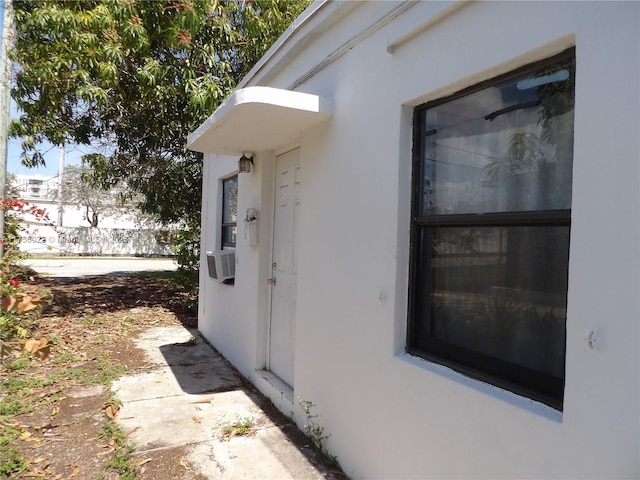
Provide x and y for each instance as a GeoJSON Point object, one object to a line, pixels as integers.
{"type": "Point", "coordinates": [504, 148]}
{"type": "Point", "coordinates": [229, 211]}
{"type": "Point", "coordinates": [487, 295]}
{"type": "Point", "coordinates": [491, 229]}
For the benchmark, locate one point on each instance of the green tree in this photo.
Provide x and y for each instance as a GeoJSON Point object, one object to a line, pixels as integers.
{"type": "Point", "coordinates": [134, 78]}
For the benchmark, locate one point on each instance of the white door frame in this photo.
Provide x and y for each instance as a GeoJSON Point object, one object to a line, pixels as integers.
{"type": "Point", "coordinates": [282, 310]}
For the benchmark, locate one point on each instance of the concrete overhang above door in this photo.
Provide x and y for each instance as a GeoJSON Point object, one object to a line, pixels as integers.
{"type": "Point", "coordinates": [259, 118]}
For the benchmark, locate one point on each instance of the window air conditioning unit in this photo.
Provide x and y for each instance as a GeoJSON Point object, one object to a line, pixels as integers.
{"type": "Point", "coordinates": [222, 264]}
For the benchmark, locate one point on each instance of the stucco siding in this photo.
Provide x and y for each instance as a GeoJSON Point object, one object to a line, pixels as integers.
{"type": "Point", "coordinates": [390, 415]}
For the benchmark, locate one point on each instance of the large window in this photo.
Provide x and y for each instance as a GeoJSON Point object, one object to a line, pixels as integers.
{"type": "Point", "coordinates": [491, 215]}
{"type": "Point", "coordinates": [229, 211]}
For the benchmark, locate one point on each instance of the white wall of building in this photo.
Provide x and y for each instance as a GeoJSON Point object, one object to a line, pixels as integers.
{"type": "Point", "coordinates": [48, 240]}
{"type": "Point", "coordinates": [388, 414]}
{"type": "Point", "coordinates": [36, 186]}
{"type": "Point", "coordinates": [66, 230]}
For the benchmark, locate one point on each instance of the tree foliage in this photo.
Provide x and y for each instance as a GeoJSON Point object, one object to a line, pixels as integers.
{"type": "Point", "coordinates": [133, 78]}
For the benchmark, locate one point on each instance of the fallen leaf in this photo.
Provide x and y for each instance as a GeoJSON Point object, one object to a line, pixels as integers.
{"type": "Point", "coordinates": [111, 410]}
{"type": "Point", "coordinates": [39, 347]}
{"type": "Point", "coordinates": [27, 304]}
{"type": "Point", "coordinates": [35, 344]}
{"type": "Point", "coordinates": [37, 460]}
{"type": "Point", "coordinates": [76, 470]}
{"type": "Point", "coordinates": [184, 463]}
{"type": "Point", "coordinates": [197, 419]}
{"type": "Point", "coordinates": [106, 452]}
{"type": "Point", "coordinates": [13, 348]}
{"type": "Point", "coordinates": [142, 462]}
{"type": "Point", "coordinates": [8, 303]}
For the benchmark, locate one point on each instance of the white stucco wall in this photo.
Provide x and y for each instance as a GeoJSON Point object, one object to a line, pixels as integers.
{"type": "Point", "coordinates": [115, 235]}
{"type": "Point", "coordinates": [48, 240]}
{"type": "Point", "coordinates": [390, 415]}
{"type": "Point", "coordinates": [67, 231]}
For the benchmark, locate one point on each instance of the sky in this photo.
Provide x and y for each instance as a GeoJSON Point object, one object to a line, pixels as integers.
{"type": "Point", "coordinates": [51, 153]}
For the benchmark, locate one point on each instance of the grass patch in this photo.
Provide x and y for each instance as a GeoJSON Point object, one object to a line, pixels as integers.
{"type": "Point", "coordinates": [105, 373]}
{"type": "Point", "coordinates": [65, 357]}
{"type": "Point", "coordinates": [92, 320]}
{"type": "Point", "coordinates": [75, 373]}
{"type": "Point", "coordinates": [183, 283]}
{"type": "Point", "coordinates": [108, 372]}
{"type": "Point", "coordinates": [112, 431]}
{"type": "Point", "coordinates": [18, 364]}
{"type": "Point", "coordinates": [16, 384]}
{"type": "Point", "coordinates": [11, 461]}
{"type": "Point", "coordinates": [158, 274]}
{"type": "Point", "coordinates": [121, 462]}
{"type": "Point", "coordinates": [241, 427]}
{"type": "Point", "coordinates": [19, 387]}
{"type": "Point", "coordinates": [180, 281]}
{"type": "Point", "coordinates": [10, 406]}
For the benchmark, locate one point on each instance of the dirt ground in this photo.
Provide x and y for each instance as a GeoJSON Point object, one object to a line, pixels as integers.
{"type": "Point", "coordinates": [65, 430]}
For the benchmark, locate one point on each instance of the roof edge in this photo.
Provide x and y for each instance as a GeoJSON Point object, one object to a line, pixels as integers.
{"type": "Point", "coordinates": [317, 14]}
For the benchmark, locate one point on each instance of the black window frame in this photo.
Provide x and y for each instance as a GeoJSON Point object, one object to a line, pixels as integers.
{"type": "Point", "coordinates": [227, 227]}
{"type": "Point", "coordinates": [515, 378]}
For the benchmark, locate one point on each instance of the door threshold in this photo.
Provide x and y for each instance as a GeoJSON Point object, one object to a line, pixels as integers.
{"type": "Point", "coordinates": [270, 380]}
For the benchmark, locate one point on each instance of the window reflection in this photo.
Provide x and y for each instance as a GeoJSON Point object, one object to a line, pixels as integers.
{"type": "Point", "coordinates": [491, 229]}
{"type": "Point", "coordinates": [229, 211]}
{"type": "Point", "coordinates": [506, 148]}
{"type": "Point", "coordinates": [489, 296]}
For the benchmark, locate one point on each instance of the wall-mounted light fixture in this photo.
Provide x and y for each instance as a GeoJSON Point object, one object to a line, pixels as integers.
{"type": "Point", "coordinates": [245, 163]}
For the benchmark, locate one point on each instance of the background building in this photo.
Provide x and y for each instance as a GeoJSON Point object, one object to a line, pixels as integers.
{"type": "Point", "coordinates": [120, 230]}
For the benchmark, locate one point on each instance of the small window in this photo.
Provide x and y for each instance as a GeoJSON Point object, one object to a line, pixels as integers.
{"type": "Point", "coordinates": [229, 211]}
{"type": "Point", "coordinates": [491, 215]}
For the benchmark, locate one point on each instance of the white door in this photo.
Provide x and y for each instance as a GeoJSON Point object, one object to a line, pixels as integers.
{"type": "Point", "coordinates": [284, 267]}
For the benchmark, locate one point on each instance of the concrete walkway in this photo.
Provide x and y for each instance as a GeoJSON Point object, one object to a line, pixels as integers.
{"type": "Point", "coordinates": [91, 266]}
{"type": "Point", "coordinates": [188, 398]}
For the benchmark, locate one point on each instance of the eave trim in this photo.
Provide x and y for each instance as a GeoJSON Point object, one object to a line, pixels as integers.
{"type": "Point", "coordinates": [256, 118]}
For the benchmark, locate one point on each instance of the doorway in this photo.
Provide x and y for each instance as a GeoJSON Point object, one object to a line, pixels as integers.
{"type": "Point", "coordinates": [285, 267]}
